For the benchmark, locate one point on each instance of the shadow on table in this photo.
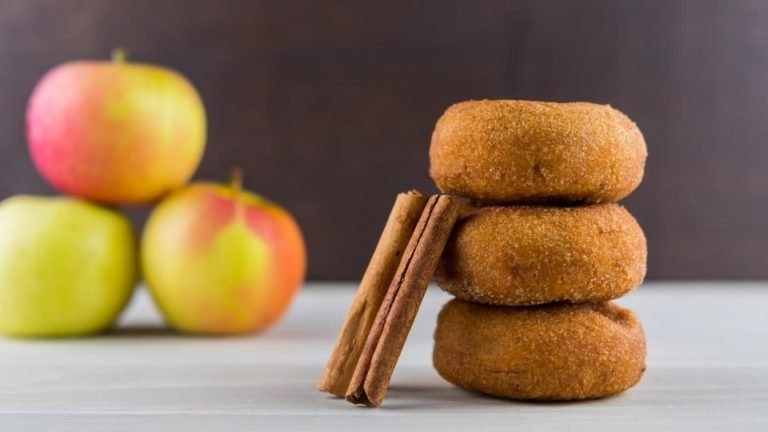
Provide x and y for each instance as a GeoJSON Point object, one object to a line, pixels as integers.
{"type": "Point", "coordinates": [159, 330]}
{"type": "Point", "coordinates": [149, 330]}
{"type": "Point", "coordinates": [448, 398]}
{"type": "Point", "coordinates": [156, 331]}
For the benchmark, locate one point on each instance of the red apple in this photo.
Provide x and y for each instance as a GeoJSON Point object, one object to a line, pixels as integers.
{"type": "Point", "coordinates": [115, 132]}
{"type": "Point", "coordinates": [221, 260]}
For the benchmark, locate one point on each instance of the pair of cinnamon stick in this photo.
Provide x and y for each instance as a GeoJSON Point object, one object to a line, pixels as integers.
{"type": "Point", "coordinates": [390, 293]}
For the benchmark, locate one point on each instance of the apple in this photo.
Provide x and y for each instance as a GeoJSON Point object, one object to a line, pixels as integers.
{"type": "Point", "coordinates": [221, 260]}
{"type": "Point", "coordinates": [67, 267]}
{"type": "Point", "coordinates": [115, 132]}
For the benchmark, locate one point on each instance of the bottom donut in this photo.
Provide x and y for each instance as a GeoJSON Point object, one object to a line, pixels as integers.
{"type": "Point", "coordinates": [550, 352]}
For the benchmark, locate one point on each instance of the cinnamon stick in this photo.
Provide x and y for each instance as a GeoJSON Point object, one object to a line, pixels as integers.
{"type": "Point", "coordinates": [398, 310]}
{"type": "Point", "coordinates": [373, 287]}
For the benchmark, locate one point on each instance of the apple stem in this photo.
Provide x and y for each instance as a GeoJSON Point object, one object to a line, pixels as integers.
{"type": "Point", "coordinates": [119, 55]}
{"type": "Point", "coordinates": [236, 181]}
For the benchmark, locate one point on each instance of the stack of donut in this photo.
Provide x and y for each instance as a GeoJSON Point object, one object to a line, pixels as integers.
{"type": "Point", "coordinates": [534, 268]}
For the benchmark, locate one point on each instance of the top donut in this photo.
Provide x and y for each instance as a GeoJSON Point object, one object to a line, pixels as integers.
{"type": "Point", "coordinates": [510, 151]}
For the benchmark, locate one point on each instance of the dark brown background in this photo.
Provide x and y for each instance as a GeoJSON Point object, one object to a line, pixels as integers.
{"type": "Point", "coordinates": [329, 105]}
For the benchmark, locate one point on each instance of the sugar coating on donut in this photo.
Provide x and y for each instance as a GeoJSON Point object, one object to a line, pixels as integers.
{"type": "Point", "coordinates": [550, 352]}
{"type": "Point", "coordinates": [511, 151]}
{"type": "Point", "coordinates": [525, 255]}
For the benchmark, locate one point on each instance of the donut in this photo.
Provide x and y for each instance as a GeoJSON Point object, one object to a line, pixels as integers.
{"type": "Point", "coordinates": [511, 151]}
{"type": "Point", "coordinates": [550, 352]}
{"type": "Point", "coordinates": [527, 255]}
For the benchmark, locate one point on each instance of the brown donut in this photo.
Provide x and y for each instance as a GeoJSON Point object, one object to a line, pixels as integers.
{"type": "Point", "coordinates": [550, 352]}
{"type": "Point", "coordinates": [509, 151]}
{"type": "Point", "coordinates": [533, 255]}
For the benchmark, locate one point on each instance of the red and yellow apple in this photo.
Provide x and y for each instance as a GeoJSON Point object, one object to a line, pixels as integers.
{"type": "Point", "coordinates": [220, 260]}
{"type": "Point", "coordinates": [115, 132]}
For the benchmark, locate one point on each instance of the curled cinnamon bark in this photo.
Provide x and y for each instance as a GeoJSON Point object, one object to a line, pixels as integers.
{"type": "Point", "coordinates": [373, 288]}
{"type": "Point", "coordinates": [398, 310]}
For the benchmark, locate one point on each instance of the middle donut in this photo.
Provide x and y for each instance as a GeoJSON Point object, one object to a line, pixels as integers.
{"type": "Point", "coordinates": [526, 255]}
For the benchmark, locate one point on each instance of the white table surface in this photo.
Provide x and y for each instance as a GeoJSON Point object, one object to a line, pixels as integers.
{"type": "Point", "coordinates": [707, 370]}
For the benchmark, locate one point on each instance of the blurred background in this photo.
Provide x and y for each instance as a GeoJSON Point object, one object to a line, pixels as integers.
{"type": "Point", "coordinates": [329, 106]}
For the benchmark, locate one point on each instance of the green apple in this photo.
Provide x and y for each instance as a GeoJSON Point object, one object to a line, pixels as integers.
{"type": "Point", "coordinates": [67, 267]}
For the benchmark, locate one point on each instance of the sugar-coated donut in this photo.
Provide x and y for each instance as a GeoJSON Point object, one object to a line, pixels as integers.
{"type": "Point", "coordinates": [550, 352]}
{"type": "Point", "coordinates": [524, 255]}
{"type": "Point", "coordinates": [510, 151]}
